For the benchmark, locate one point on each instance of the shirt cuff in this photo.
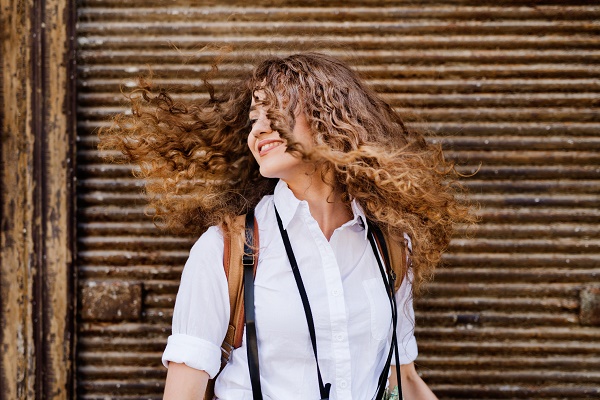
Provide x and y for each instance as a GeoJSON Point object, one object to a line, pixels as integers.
{"type": "Point", "coordinates": [408, 352]}
{"type": "Point", "coordinates": [194, 352]}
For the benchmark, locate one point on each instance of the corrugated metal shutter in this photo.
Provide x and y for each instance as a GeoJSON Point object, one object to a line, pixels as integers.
{"type": "Point", "coordinates": [510, 89]}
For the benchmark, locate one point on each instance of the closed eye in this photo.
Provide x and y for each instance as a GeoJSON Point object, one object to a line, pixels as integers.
{"type": "Point", "coordinates": [252, 121]}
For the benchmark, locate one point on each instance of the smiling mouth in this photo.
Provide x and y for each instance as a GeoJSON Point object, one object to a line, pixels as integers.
{"type": "Point", "coordinates": [265, 148]}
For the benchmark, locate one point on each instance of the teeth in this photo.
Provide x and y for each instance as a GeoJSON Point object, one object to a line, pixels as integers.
{"type": "Point", "coordinates": [269, 145]}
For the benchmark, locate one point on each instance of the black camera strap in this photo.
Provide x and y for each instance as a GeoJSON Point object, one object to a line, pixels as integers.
{"type": "Point", "coordinates": [323, 388]}
{"type": "Point", "coordinates": [249, 315]}
{"type": "Point", "coordinates": [376, 238]}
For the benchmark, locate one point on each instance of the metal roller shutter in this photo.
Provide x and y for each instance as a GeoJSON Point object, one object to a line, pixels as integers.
{"type": "Point", "coordinates": [509, 89]}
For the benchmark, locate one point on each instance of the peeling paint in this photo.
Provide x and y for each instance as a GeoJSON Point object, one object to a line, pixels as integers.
{"type": "Point", "coordinates": [35, 275]}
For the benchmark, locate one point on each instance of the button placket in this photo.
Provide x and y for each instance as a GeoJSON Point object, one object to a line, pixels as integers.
{"type": "Point", "coordinates": [337, 307]}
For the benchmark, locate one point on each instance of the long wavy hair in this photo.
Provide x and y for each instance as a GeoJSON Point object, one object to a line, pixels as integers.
{"type": "Point", "coordinates": [199, 171]}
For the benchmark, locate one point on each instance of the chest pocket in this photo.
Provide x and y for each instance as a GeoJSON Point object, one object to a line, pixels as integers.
{"type": "Point", "coordinates": [381, 314]}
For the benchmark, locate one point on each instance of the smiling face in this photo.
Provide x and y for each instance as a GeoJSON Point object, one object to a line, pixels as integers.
{"type": "Point", "coordinates": [269, 149]}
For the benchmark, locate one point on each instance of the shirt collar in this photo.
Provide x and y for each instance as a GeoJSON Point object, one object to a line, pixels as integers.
{"type": "Point", "coordinates": [287, 205]}
{"type": "Point", "coordinates": [359, 217]}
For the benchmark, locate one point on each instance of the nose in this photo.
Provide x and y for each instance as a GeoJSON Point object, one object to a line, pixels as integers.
{"type": "Point", "coordinates": [261, 126]}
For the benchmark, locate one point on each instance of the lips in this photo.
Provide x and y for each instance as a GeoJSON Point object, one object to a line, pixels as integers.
{"type": "Point", "coordinates": [264, 146]}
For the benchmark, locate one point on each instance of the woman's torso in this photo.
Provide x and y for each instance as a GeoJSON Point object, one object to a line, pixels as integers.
{"type": "Point", "coordinates": [351, 311]}
{"type": "Point", "coordinates": [350, 308]}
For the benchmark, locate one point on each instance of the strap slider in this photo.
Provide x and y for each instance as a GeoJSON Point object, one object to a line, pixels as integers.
{"type": "Point", "coordinates": [248, 260]}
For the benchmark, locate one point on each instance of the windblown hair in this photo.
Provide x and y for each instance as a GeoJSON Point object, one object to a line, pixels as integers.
{"type": "Point", "coordinates": [199, 171]}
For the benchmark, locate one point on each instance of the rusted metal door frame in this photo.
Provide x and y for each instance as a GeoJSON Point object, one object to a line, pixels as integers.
{"type": "Point", "coordinates": [37, 280]}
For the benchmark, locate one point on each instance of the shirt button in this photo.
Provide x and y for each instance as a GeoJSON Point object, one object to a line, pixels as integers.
{"type": "Point", "coordinates": [343, 384]}
{"type": "Point", "coordinates": [339, 337]}
{"type": "Point", "coordinates": [335, 292]}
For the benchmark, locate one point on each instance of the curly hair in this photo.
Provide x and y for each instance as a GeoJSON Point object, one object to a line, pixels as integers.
{"type": "Point", "coordinates": [199, 171]}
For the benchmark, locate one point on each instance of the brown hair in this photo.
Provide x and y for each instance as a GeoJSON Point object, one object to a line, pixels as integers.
{"type": "Point", "coordinates": [199, 171]}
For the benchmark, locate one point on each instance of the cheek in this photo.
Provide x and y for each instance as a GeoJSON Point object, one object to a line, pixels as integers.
{"type": "Point", "coordinates": [250, 141]}
{"type": "Point", "coordinates": [302, 132]}
{"type": "Point", "coordinates": [251, 144]}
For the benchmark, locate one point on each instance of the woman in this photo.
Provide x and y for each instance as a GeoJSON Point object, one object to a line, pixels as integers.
{"type": "Point", "coordinates": [302, 140]}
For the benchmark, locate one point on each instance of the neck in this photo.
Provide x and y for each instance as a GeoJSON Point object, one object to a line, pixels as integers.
{"type": "Point", "coordinates": [325, 203]}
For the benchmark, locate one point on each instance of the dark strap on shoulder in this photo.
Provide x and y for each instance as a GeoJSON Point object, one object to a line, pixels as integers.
{"type": "Point", "coordinates": [324, 389]}
{"type": "Point", "coordinates": [376, 238]}
{"type": "Point", "coordinates": [248, 260]}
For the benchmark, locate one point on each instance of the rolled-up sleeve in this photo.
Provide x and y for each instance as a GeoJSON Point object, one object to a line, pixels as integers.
{"type": "Point", "coordinates": [201, 313]}
{"type": "Point", "coordinates": [405, 328]}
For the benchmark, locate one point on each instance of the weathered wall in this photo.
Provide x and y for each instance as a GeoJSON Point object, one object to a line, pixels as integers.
{"type": "Point", "coordinates": [509, 88]}
{"type": "Point", "coordinates": [36, 276]}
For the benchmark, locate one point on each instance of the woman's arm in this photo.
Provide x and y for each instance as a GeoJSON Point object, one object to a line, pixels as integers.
{"type": "Point", "coordinates": [185, 383]}
{"type": "Point", "coordinates": [413, 386]}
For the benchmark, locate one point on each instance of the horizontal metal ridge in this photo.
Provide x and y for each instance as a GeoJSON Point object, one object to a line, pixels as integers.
{"type": "Point", "coordinates": [130, 185]}
{"type": "Point", "coordinates": [524, 56]}
{"type": "Point", "coordinates": [133, 198]}
{"type": "Point", "coordinates": [352, 11]}
{"type": "Point", "coordinates": [551, 199]}
{"type": "Point", "coordinates": [196, 35]}
{"type": "Point", "coordinates": [484, 273]}
{"type": "Point", "coordinates": [99, 388]}
{"type": "Point", "coordinates": [538, 154]}
{"type": "Point", "coordinates": [446, 114]}
{"type": "Point", "coordinates": [500, 334]}
{"type": "Point", "coordinates": [514, 376]}
{"type": "Point", "coordinates": [104, 270]}
{"type": "Point", "coordinates": [516, 289]}
{"type": "Point", "coordinates": [484, 304]}
{"type": "Point", "coordinates": [413, 26]}
{"type": "Point", "coordinates": [547, 230]}
{"type": "Point", "coordinates": [122, 242]}
{"type": "Point", "coordinates": [129, 257]}
{"type": "Point", "coordinates": [130, 343]}
{"type": "Point", "coordinates": [571, 101]}
{"type": "Point", "coordinates": [519, 245]}
{"type": "Point", "coordinates": [520, 259]}
{"type": "Point", "coordinates": [88, 138]}
{"type": "Point", "coordinates": [171, 71]}
{"type": "Point", "coordinates": [94, 228]}
{"type": "Point", "coordinates": [529, 172]}
{"type": "Point", "coordinates": [100, 85]}
{"type": "Point", "coordinates": [107, 359]}
{"type": "Point", "coordinates": [477, 391]}
{"type": "Point", "coordinates": [493, 318]}
{"type": "Point", "coordinates": [500, 362]}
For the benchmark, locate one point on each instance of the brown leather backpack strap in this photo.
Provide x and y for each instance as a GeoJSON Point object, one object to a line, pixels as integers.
{"type": "Point", "coordinates": [239, 312]}
{"type": "Point", "coordinates": [234, 271]}
{"type": "Point", "coordinates": [232, 264]}
{"type": "Point", "coordinates": [236, 287]}
{"type": "Point", "coordinates": [233, 250]}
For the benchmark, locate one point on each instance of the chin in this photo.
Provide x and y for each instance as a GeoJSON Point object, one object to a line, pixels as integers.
{"type": "Point", "coordinates": [268, 173]}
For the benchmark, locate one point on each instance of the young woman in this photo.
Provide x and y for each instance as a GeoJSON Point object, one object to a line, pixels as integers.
{"type": "Point", "coordinates": [315, 153]}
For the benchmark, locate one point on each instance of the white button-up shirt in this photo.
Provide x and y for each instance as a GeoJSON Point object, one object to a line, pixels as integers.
{"type": "Point", "coordinates": [351, 310]}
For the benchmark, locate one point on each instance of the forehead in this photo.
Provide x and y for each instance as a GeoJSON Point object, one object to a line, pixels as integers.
{"type": "Point", "coordinates": [257, 95]}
